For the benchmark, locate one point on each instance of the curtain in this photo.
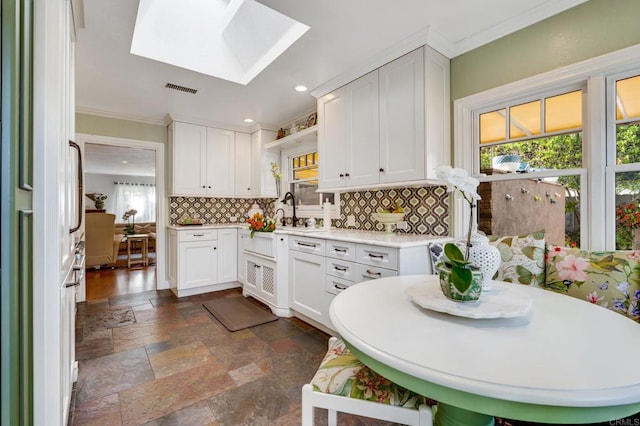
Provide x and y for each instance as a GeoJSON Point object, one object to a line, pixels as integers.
{"type": "Point", "coordinates": [138, 196]}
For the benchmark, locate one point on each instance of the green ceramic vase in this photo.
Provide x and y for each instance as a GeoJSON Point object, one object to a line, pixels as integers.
{"type": "Point", "coordinates": [471, 294]}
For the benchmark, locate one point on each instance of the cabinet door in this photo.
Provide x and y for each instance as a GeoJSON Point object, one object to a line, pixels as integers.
{"type": "Point", "coordinates": [242, 267]}
{"type": "Point", "coordinates": [263, 184]}
{"type": "Point", "coordinates": [243, 159]}
{"type": "Point", "coordinates": [220, 155]}
{"type": "Point", "coordinates": [437, 110]}
{"type": "Point", "coordinates": [402, 142]}
{"type": "Point", "coordinates": [227, 255]}
{"type": "Point", "coordinates": [307, 293]}
{"type": "Point", "coordinates": [188, 162]}
{"type": "Point", "coordinates": [332, 134]}
{"type": "Point", "coordinates": [198, 264]}
{"type": "Point", "coordinates": [362, 141]}
{"type": "Point", "coordinates": [172, 256]}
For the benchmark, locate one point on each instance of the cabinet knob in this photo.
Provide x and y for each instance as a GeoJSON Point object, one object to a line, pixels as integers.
{"type": "Point", "coordinates": [209, 187]}
{"type": "Point", "coordinates": [346, 174]}
{"type": "Point", "coordinates": [215, 248]}
{"type": "Point", "coordinates": [203, 187]}
{"type": "Point", "coordinates": [381, 170]}
{"type": "Point", "coordinates": [341, 175]}
{"type": "Point", "coordinates": [248, 189]}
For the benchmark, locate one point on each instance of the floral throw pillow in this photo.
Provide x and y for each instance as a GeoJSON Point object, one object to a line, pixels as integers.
{"type": "Point", "coordinates": [341, 373]}
{"type": "Point", "coordinates": [606, 278]}
{"type": "Point", "coordinates": [522, 258]}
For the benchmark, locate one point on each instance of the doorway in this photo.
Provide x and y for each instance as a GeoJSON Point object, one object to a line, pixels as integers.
{"type": "Point", "coordinates": [130, 173]}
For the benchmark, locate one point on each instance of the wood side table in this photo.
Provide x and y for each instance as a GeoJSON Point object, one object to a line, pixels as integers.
{"type": "Point", "coordinates": [143, 239]}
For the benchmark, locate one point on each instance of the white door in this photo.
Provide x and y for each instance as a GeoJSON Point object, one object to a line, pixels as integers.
{"type": "Point", "coordinates": [244, 165]}
{"type": "Point", "coordinates": [362, 147]}
{"type": "Point", "coordinates": [220, 162]}
{"type": "Point", "coordinates": [307, 285]}
{"type": "Point", "coordinates": [198, 264]}
{"type": "Point", "coordinates": [188, 162]}
{"type": "Point", "coordinates": [402, 118]}
{"type": "Point", "coordinates": [332, 133]}
{"type": "Point", "coordinates": [227, 255]}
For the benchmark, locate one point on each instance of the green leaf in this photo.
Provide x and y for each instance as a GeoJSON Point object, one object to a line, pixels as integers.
{"type": "Point", "coordinates": [530, 252]}
{"type": "Point", "coordinates": [453, 252]}
{"type": "Point", "coordinates": [461, 278]}
{"type": "Point", "coordinates": [609, 263]}
{"type": "Point", "coordinates": [524, 275]}
{"type": "Point", "coordinates": [344, 360]}
{"type": "Point", "coordinates": [506, 254]}
{"type": "Point", "coordinates": [538, 235]}
{"type": "Point", "coordinates": [507, 241]}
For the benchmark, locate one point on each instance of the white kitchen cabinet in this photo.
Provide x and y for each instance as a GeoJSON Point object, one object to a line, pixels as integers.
{"type": "Point", "coordinates": [220, 176]}
{"type": "Point", "coordinates": [243, 165]}
{"type": "Point", "coordinates": [187, 144]}
{"type": "Point", "coordinates": [197, 261]}
{"type": "Point", "coordinates": [307, 294]}
{"type": "Point", "coordinates": [227, 255]}
{"type": "Point", "coordinates": [349, 122]}
{"type": "Point", "coordinates": [388, 127]}
{"type": "Point", "coordinates": [263, 184]}
{"type": "Point", "coordinates": [242, 268]}
{"type": "Point", "coordinates": [261, 278]}
{"type": "Point", "coordinates": [402, 146]}
{"type": "Point", "coordinates": [202, 160]}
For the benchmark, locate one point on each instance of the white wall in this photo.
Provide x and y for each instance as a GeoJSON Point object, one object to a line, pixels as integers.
{"type": "Point", "coordinates": [104, 184]}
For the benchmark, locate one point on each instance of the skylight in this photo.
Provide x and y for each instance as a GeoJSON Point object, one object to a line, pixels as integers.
{"type": "Point", "coordinates": [234, 40]}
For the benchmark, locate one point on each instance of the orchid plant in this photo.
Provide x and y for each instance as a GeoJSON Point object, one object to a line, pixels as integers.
{"type": "Point", "coordinates": [462, 185]}
{"type": "Point", "coordinates": [130, 228]}
{"type": "Point", "coordinates": [277, 175]}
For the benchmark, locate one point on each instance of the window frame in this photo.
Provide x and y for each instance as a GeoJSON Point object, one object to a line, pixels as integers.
{"type": "Point", "coordinates": [307, 211]}
{"type": "Point", "coordinates": [597, 173]}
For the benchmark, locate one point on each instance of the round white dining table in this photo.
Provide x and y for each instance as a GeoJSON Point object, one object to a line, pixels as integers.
{"type": "Point", "coordinates": [563, 361]}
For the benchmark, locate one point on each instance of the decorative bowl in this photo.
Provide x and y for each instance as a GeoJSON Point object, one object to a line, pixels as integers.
{"type": "Point", "coordinates": [388, 220]}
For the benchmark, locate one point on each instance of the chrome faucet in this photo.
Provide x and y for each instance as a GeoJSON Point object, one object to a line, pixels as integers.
{"type": "Point", "coordinates": [289, 196]}
{"type": "Point", "coordinates": [284, 220]}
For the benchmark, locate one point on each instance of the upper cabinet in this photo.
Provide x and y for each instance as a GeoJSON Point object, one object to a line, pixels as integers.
{"type": "Point", "coordinates": [211, 162]}
{"type": "Point", "coordinates": [388, 127]}
{"type": "Point", "coordinates": [202, 160]}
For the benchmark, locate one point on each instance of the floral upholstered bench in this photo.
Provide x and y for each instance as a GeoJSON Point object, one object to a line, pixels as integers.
{"type": "Point", "coordinates": [343, 383]}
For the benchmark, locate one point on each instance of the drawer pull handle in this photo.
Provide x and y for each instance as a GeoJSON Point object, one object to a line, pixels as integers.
{"type": "Point", "coordinates": [340, 250]}
{"type": "Point", "coordinates": [376, 256]}
{"type": "Point", "coordinates": [307, 245]}
{"type": "Point", "coordinates": [67, 285]}
{"type": "Point", "coordinates": [339, 287]}
{"type": "Point", "coordinates": [340, 268]}
{"type": "Point", "coordinates": [257, 266]}
{"type": "Point", "coordinates": [198, 235]}
{"type": "Point", "coordinates": [378, 274]}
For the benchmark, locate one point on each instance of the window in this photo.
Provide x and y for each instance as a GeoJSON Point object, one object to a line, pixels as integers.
{"type": "Point", "coordinates": [626, 167]}
{"type": "Point", "coordinates": [560, 150]}
{"type": "Point", "coordinates": [304, 180]}
{"type": "Point", "coordinates": [138, 196]}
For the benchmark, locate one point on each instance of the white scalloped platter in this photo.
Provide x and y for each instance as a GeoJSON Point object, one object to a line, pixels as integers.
{"type": "Point", "coordinates": [497, 303]}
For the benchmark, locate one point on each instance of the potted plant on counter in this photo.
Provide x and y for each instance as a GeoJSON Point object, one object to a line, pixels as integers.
{"type": "Point", "coordinates": [460, 280]}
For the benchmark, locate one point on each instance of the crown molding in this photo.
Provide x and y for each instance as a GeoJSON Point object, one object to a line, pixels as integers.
{"type": "Point", "coordinates": [118, 116]}
{"type": "Point", "coordinates": [537, 14]}
{"type": "Point", "coordinates": [410, 43]}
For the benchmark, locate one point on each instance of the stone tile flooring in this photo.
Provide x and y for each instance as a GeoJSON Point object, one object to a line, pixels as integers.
{"type": "Point", "coordinates": [151, 358]}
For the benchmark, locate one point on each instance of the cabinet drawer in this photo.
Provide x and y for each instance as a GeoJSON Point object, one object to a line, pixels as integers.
{"type": "Point", "coordinates": [368, 272]}
{"type": "Point", "coordinates": [335, 285]}
{"type": "Point", "coordinates": [384, 257]}
{"type": "Point", "coordinates": [198, 235]}
{"type": "Point", "coordinates": [341, 250]}
{"type": "Point", "coordinates": [307, 245]}
{"type": "Point", "coordinates": [342, 269]}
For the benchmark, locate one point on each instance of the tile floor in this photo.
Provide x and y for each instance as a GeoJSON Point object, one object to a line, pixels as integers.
{"type": "Point", "coordinates": [151, 358]}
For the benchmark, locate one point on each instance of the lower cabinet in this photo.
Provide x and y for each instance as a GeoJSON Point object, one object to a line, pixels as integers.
{"type": "Point", "coordinates": [307, 294]}
{"type": "Point", "coordinates": [260, 278]}
{"type": "Point", "coordinates": [199, 263]}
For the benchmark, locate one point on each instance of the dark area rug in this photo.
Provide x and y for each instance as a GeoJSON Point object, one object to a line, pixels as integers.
{"type": "Point", "coordinates": [237, 313]}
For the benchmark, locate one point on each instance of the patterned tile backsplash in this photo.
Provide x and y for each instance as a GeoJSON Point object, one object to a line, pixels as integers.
{"type": "Point", "coordinates": [426, 208]}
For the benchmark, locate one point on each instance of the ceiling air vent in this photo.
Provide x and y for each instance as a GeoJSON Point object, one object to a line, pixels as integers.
{"type": "Point", "coordinates": [181, 88]}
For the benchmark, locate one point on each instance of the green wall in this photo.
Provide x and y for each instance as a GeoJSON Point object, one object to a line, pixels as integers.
{"type": "Point", "coordinates": [585, 31]}
{"type": "Point", "coordinates": [118, 128]}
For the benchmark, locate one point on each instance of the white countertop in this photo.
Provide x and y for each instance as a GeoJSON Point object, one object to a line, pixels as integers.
{"type": "Point", "coordinates": [375, 238]}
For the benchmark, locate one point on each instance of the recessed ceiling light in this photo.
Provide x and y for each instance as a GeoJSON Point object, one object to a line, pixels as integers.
{"type": "Point", "coordinates": [301, 88]}
{"type": "Point", "coordinates": [248, 120]}
{"type": "Point", "coordinates": [125, 162]}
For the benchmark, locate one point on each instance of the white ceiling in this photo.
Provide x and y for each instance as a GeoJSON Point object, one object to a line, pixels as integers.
{"type": "Point", "coordinates": [345, 36]}
{"type": "Point", "coordinates": [115, 160]}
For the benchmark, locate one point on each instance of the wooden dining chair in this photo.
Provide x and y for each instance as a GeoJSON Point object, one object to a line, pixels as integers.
{"type": "Point", "coordinates": [343, 384]}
